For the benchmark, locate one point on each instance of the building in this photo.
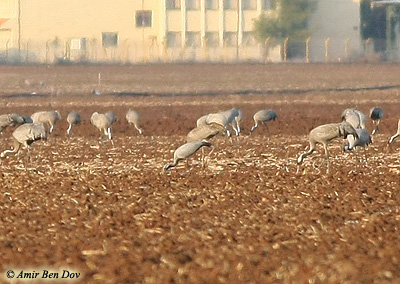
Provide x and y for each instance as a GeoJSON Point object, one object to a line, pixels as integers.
{"type": "Point", "coordinates": [140, 30]}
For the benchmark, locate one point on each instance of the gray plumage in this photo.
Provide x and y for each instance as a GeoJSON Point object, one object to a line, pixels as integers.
{"type": "Point", "coordinates": [376, 114]}
{"type": "Point", "coordinates": [111, 116]}
{"type": "Point", "coordinates": [11, 120]}
{"type": "Point", "coordinates": [324, 134]}
{"type": "Point", "coordinates": [214, 118]}
{"type": "Point", "coordinates": [218, 119]}
{"type": "Point", "coordinates": [363, 139]}
{"type": "Point", "coordinates": [27, 119]}
{"type": "Point", "coordinates": [25, 135]}
{"type": "Point", "coordinates": [185, 151]}
{"type": "Point", "coordinates": [396, 135]}
{"type": "Point", "coordinates": [202, 120]}
{"type": "Point", "coordinates": [355, 117]}
{"type": "Point", "coordinates": [103, 123]}
{"type": "Point", "coordinates": [133, 117]}
{"type": "Point", "coordinates": [263, 116]}
{"type": "Point", "coordinates": [73, 118]}
{"type": "Point", "coordinates": [232, 119]}
{"type": "Point", "coordinates": [49, 118]}
{"type": "Point", "coordinates": [204, 132]}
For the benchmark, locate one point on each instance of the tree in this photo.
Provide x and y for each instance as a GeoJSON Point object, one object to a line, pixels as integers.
{"type": "Point", "coordinates": [289, 20]}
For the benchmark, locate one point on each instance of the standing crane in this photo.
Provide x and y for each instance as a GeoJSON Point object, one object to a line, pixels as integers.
{"type": "Point", "coordinates": [25, 135]}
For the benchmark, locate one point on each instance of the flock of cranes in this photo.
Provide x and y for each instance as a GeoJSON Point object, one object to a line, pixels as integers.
{"type": "Point", "coordinates": [353, 128]}
{"type": "Point", "coordinates": [33, 128]}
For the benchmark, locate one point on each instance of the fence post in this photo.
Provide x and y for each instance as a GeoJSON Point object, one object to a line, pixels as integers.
{"type": "Point", "coordinates": [346, 49]}
{"type": "Point", "coordinates": [165, 48]}
{"type": "Point", "coordinates": [206, 51]}
{"type": "Point", "coordinates": [285, 49]}
{"type": "Point", "coordinates": [244, 49]}
{"type": "Point", "coordinates": [27, 51]}
{"type": "Point", "coordinates": [367, 45]}
{"type": "Point", "coordinates": [224, 51]}
{"type": "Point", "coordinates": [308, 49]}
{"type": "Point", "coordinates": [67, 51]}
{"type": "Point", "coordinates": [47, 51]}
{"type": "Point", "coordinates": [183, 50]}
{"type": "Point", "coordinates": [151, 48]}
{"type": "Point", "coordinates": [127, 56]}
{"type": "Point", "coordinates": [327, 56]}
{"type": "Point", "coordinates": [266, 46]}
{"type": "Point", "coordinates": [7, 43]}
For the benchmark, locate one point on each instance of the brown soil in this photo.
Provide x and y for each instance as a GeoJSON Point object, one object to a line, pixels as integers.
{"type": "Point", "coordinates": [112, 214]}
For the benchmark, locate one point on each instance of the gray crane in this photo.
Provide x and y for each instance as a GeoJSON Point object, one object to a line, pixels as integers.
{"type": "Point", "coordinates": [133, 117]}
{"type": "Point", "coordinates": [376, 114]}
{"type": "Point", "coordinates": [11, 119]}
{"type": "Point", "coordinates": [185, 151]}
{"type": "Point", "coordinates": [396, 135]}
{"type": "Point", "coordinates": [49, 118]}
{"type": "Point", "coordinates": [103, 123]}
{"type": "Point", "coordinates": [25, 135]}
{"type": "Point", "coordinates": [263, 116]}
{"type": "Point", "coordinates": [219, 119]}
{"type": "Point", "coordinates": [324, 134]}
{"type": "Point", "coordinates": [364, 139]}
{"type": "Point", "coordinates": [355, 117]}
{"type": "Point", "coordinates": [232, 118]}
{"type": "Point", "coordinates": [204, 132]}
{"type": "Point", "coordinates": [73, 118]}
{"type": "Point", "coordinates": [224, 118]}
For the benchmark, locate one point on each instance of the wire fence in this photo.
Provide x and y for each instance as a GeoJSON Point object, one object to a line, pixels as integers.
{"type": "Point", "coordinates": [310, 50]}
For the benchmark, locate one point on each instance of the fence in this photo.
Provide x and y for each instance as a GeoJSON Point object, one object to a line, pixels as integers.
{"type": "Point", "coordinates": [310, 50]}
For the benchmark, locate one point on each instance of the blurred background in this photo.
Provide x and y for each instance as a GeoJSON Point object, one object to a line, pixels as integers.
{"type": "Point", "coordinates": [144, 31]}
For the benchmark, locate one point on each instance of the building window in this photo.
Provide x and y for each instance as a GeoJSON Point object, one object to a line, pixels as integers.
{"type": "Point", "coordinates": [269, 4]}
{"type": "Point", "coordinates": [249, 4]}
{"type": "Point", "coordinates": [109, 40]}
{"type": "Point", "coordinates": [173, 4]}
{"type": "Point", "coordinates": [193, 39]}
{"type": "Point", "coordinates": [174, 39]}
{"type": "Point", "coordinates": [248, 39]}
{"type": "Point", "coordinates": [212, 39]}
{"type": "Point", "coordinates": [192, 4]}
{"type": "Point", "coordinates": [77, 44]}
{"type": "Point", "coordinates": [230, 5]}
{"type": "Point", "coordinates": [143, 18]}
{"type": "Point", "coordinates": [212, 4]}
{"type": "Point", "coordinates": [230, 38]}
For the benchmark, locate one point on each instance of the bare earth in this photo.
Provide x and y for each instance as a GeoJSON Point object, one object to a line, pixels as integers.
{"type": "Point", "coordinates": [113, 215]}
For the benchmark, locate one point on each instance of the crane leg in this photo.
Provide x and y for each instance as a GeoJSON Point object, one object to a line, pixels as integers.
{"type": "Point", "coordinates": [376, 127]}
{"type": "Point", "coordinates": [394, 137]}
{"type": "Point", "coordinates": [266, 126]}
{"type": "Point", "coordinates": [69, 129]}
{"type": "Point", "coordinates": [209, 154]}
{"type": "Point", "coordinates": [138, 129]}
{"type": "Point", "coordinates": [327, 158]}
{"type": "Point", "coordinates": [203, 164]}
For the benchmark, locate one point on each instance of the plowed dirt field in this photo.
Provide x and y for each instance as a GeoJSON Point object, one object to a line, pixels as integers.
{"type": "Point", "coordinates": [110, 213]}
